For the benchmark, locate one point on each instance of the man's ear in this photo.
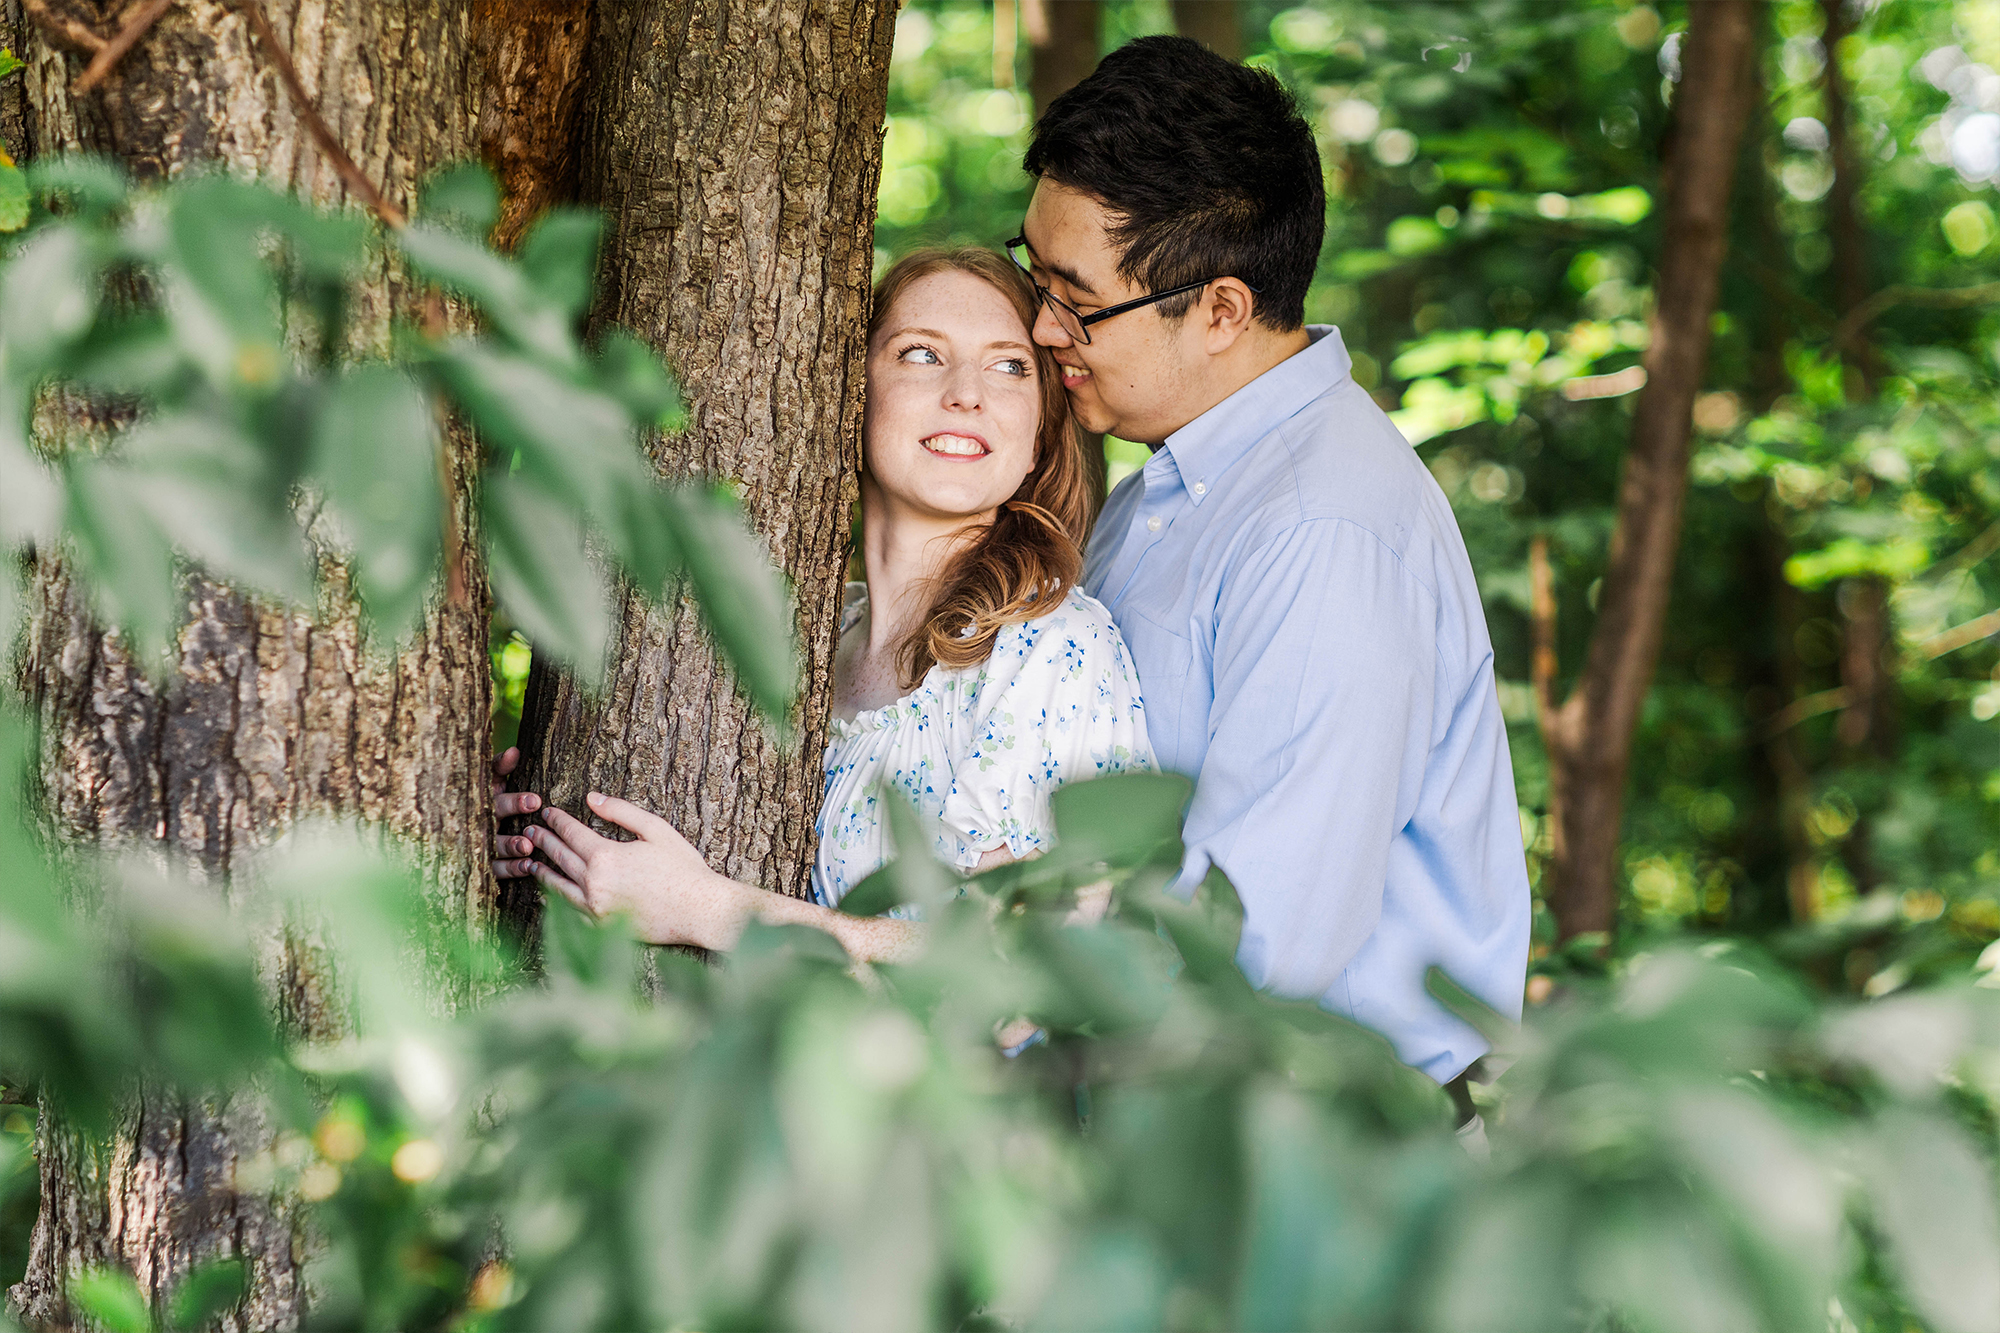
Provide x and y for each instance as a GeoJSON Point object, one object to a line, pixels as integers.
{"type": "Point", "coordinates": [1227, 307]}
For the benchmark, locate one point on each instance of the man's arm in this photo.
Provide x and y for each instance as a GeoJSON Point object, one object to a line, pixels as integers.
{"type": "Point", "coordinates": [1324, 671]}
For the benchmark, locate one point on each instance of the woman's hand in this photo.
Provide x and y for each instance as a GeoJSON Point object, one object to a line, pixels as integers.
{"type": "Point", "coordinates": [511, 855]}
{"type": "Point", "coordinates": [660, 880]}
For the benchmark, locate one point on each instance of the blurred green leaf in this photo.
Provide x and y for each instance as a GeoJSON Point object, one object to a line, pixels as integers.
{"type": "Point", "coordinates": [743, 600]}
{"type": "Point", "coordinates": [463, 197]}
{"type": "Point", "coordinates": [518, 310]}
{"type": "Point", "coordinates": [48, 296]}
{"type": "Point", "coordinates": [93, 185]}
{"type": "Point", "coordinates": [543, 577]}
{"type": "Point", "coordinates": [1933, 1196]}
{"type": "Point", "coordinates": [376, 449]}
{"type": "Point", "coordinates": [632, 372]}
{"type": "Point", "coordinates": [112, 1299]}
{"type": "Point", "coordinates": [205, 1293]}
{"type": "Point", "coordinates": [559, 256]}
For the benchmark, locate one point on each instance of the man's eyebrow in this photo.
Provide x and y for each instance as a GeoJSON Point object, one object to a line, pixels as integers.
{"type": "Point", "coordinates": [1063, 271]}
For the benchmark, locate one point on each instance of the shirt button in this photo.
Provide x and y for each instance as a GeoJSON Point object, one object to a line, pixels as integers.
{"type": "Point", "coordinates": [1201, 488]}
{"type": "Point", "coordinates": [1153, 523]}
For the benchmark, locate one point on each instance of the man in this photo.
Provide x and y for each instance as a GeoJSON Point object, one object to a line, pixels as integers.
{"type": "Point", "coordinates": [1291, 582]}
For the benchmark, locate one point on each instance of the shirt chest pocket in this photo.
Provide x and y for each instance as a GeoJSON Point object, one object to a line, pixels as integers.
{"type": "Point", "coordinates": [1164, 661]}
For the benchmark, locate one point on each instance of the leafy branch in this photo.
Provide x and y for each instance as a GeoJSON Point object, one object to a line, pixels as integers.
{"type": "Point", "coordinates": [236, 426]}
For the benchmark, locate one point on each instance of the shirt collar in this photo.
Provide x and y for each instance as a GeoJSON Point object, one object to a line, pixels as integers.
{"type": "Point", "coordinates": [1209, 445]}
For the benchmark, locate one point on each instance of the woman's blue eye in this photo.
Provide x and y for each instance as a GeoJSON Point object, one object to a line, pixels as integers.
{"type": "Point", "coordinates": [908, 352]}
{"type": "Point", "coordinates": [1014, 365]}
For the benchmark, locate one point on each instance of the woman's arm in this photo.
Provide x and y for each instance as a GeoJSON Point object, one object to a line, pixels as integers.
{"type": "Point", "coordinates": [672, 895]}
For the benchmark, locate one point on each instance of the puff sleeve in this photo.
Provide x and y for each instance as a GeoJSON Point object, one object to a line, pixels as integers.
{"type": "Point", "coordinates": [1057, 701]}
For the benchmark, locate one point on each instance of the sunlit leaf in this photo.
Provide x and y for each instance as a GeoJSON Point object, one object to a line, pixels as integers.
{"type": "Point", "coordinates": [113, 1299]}
{"type": "Point", "coordinates": [13, 198]}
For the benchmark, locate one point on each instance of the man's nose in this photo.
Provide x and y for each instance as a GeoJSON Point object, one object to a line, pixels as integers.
{"type": "Point", "coordinates": [1048, 330]}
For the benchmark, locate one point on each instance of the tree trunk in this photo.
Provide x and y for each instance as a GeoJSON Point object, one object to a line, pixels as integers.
{"type": "Point", "coordinates": [1590, 735]}
{"type": "Point", "coordinates": [1216, 24]}
{"type": "Point", "coordinates": [1867, 726]}
{"type": "Point", "coordinates": [267, 715]}
{"type": "Point", "coordinates": [736, 148]}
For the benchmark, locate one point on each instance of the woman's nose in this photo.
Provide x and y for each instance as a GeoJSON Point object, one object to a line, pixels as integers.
{"type": "Point", "coordinates": [961, 388]}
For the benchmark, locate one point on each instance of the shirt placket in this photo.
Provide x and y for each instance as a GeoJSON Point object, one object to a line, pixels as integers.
{"type": "Point", "coordinates": [1162, 495]}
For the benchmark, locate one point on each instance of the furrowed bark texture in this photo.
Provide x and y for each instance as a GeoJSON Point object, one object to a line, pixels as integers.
{"type": "Point", "coordinates": [1590, 735]}
{"type": "Point", "coordinates": [735, 145]}
{"type": "Point", "coordinates": [266, 715]}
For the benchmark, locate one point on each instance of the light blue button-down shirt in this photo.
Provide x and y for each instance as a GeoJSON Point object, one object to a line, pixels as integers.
{"type": "Point", "coordinates": [1312, 651]}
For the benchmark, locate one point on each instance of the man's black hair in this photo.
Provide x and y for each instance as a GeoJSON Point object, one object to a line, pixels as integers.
{"type": "Point", "coordinates": [1207, 166]}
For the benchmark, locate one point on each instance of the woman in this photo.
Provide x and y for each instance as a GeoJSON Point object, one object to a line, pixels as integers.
{"type": "Point", "coordinates": [971, 674]}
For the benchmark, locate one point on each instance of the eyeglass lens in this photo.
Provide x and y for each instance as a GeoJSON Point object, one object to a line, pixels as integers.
{"type": "Point", "coordinates": [1071, 322]}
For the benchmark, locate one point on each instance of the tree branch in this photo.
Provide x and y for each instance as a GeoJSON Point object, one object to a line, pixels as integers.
{"type": "Point", "coordinates": [308, 112]}
{"type": "Point", "coordinates": [1974, 551]}
{"type": "Point", "coordinates": [62, 29]}
{"type": "Point", "coordinates": [1960, 636]}
{"type": "Point", "coordinates": [114, 50]}
{"type": "Point", "coordinates": [1865, 313]}
{"type": "Point", "coordinates": [1798, 710]}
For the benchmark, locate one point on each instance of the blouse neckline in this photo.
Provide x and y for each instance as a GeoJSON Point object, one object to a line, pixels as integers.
{"type": "Point", "coordinates": [875, 719]}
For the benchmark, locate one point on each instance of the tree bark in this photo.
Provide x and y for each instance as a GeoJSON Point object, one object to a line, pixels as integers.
{"type": "Point", "coordinates": [1590, 735]}
{"type": "Point", "coordinates": [268, 714]}
{"type": "Point", "coordinates": [1867, 726]}
{"type": "Point", "coordinates": [736, 147]}
{"type": "Point", "coordinates": [1216, 24]}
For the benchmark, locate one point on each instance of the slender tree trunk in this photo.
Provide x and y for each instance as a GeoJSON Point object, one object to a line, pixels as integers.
{"type": "Point", "coordinates": [1216, 24]}
{"type": "Point", "coordinates": [1590, 735]}
{"type": "Point", "coordinates": [1867, 726]}
{"type": "Point", "coordinates": [267, 715]}
{"type": "Point", "coordinates": [736, 146]}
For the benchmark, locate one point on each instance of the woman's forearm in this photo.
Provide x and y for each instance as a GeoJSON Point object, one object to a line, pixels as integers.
{"type": "Point", "coordinates": [726, 906]}
{"type": "Point", "coordinates": [867, 939]}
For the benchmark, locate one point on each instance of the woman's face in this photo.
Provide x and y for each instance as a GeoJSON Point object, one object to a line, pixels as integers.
{"type": "Point", "coordinates": [954, 399]}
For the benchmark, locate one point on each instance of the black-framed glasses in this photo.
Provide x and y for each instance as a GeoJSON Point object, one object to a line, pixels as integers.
{"type": "Point", "coordinates": [1074, 322]}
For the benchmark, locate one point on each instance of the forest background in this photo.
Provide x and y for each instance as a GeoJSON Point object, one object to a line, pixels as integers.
{"type": "Point", "coordinates": [1815, 772]}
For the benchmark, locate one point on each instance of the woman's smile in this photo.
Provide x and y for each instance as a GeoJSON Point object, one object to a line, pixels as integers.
{"type": "Point", "coordinates": [956, 445]}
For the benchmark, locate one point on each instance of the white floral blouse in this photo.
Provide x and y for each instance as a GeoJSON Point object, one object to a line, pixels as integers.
{"type": "Point", "coordinates": [979, 749]}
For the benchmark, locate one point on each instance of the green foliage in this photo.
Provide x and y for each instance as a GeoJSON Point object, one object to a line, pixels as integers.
{"type": "Point", "coordinates": [212, 320]}
{"type": "Point", "coordinates": [788, 1141]}
{"type": "Point", "coordinates": [1493, 173]}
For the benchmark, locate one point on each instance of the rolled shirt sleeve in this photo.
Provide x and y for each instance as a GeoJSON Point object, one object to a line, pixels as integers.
{"type": "Point", "coordinates": [1325, 678]}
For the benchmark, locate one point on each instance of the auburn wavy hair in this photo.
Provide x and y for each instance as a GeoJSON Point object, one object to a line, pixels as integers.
{"type": "Point", "coordinates": [1029, 557]}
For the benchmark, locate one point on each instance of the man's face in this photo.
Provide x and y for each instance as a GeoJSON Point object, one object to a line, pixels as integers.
{"type": "Point", "coordinates": [1129, 379]}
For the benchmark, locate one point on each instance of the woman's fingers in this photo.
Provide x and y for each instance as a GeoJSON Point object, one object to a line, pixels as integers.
{"type": "Point", "coordinates": [630, 817]}
{"type": "Point", "coordinates": [509, 803]}
{"type": "Point", "coordinates": [504, 763]}
{"type": "Point", "coordinates": [574, 892]}
{"type": "Point", "coordinates": [523, 868]}
{"type": "Point", "coordinates": [559, 850]}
